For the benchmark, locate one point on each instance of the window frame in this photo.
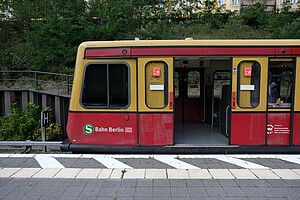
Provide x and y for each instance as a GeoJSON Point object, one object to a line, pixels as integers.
{"type": "Point", "coordinates": [239, 85]}
{"type": "Point", "coordinates": [187, 89]}
{"type": "Point", "coordinates": [221, 3]}
{"type": "Point", "coordinates": [213, 84]}
{"type": "Point", "coordinates": [292, 76]}
{"type": "Point", "coordinates": [175, 84]}
{"type": "Point", "coordinates": [166, 84]}
{"type": "Point", "coordinates": [107, 74]}
{"type": "Point", "coordinates": [234, 3]}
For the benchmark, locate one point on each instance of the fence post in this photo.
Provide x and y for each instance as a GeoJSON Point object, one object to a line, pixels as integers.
{"type": "Point", "coordinates": [44, 122]}
{"type": "Point", "coordinates": [35, 78]}
{"type": "Point", "coordinates": [67, 84]}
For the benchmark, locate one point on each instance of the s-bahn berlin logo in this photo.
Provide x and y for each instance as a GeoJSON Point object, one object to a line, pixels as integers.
{"type": "Point", "coordinates": [88, 129]}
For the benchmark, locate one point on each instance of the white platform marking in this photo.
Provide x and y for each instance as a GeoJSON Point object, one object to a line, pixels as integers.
{"type": "Point", "coordinates": [172, 161]}
{"type": "Point", "coordinates": [238, 162]}
{"type": "Point", "coordinates": [21, 155]}
{"type": "Point", "coordinates": [5, 155]}
{"type": "Point", "coordinates": [110, 162]}
{"type": "Point", "coordinates": [47, 161]}
{"type": "Point", "coordinates": [292, 159]}
{"type": "Point", "coordinates": [67, 155]}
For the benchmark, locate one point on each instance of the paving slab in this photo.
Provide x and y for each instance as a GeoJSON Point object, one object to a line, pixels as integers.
{"type": "Point", "coordinates": [182, 192]}
{"type": "Point", "coordinates": [234, 192]}
{"type": "Point", "coordinates": [24, 162]}
{"type": "Point", "coordinates": [80, 163]}
{"type": "Point", "coordinates": [178, 174]}
{"type": "Point", "coordinates": [264, 174]}
{"type": "Point", "coordinates": [105, 173]}
{"type": "Point", "coordinates": [274, 163]}
{"type": "Point", "coordinates": [215, 192]}
{"type": "Point", "coordinates": [160, 182]}
{"type": "Point", "coordinates": [207, 163]}
{"type": "Point", "coordinates": [197, 192]}
{"type": "Point", "coordinates": [134, 173]}
{"type": "Point", "coordinates": [143, 192]}
{"type": "Point", "coordinates": [26, 173]}
{"type": "Point", "coordinates": [178, 182]}
{"type": "Point", "coordinates": [221, 174]}
{"type": "Point", "coordinates": [89, 173]}
{"type": "Point", "coordinates": [128, 182]}
{"type": "Point", "coordinates": [46, 173]}
{"type": "Point", "coordinates": [199, 174]}
{"type": "Point", "coordinates": [286, 174]}
{"type": "Point", "coordinates": [7, 172]}
{"type": "Point", "coordinates": [242, 174]}
{"type": "Point", "coordinates": [144, 182]}
{"type": "Point", "coordinates": [156, 173]}
{"type": "Point", "coordinates": [145, 163]}
{"type": "Point", "coordinates": [227, 182]}
{"type": "Point", "coordinates": [67, 173]}
{"type": "Point", "coordinates": [297, 171]}
{"type": "Point", "coordinates": [117, 173]}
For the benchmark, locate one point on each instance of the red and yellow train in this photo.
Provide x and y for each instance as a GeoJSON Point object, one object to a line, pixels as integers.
{"type": "Point", "coordinates": [186, 96]}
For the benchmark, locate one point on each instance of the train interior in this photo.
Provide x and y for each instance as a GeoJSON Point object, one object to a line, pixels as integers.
{"type": "Point", "coordinates": [202, 99]}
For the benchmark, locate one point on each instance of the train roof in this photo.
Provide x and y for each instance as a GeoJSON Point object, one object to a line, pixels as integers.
{"type": "Point", "coordinates": [190, 42]}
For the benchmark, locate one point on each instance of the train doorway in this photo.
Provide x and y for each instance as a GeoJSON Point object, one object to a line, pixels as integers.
{"type": "Point", "coordinates": [195, 110]}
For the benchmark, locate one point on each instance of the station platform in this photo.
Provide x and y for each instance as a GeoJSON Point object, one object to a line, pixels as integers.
{"type": "Point", "coordinates": [149, 176]}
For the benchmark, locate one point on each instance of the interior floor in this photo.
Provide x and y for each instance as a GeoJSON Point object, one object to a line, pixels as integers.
{"type": "Point", "coordinates": [198, 133]}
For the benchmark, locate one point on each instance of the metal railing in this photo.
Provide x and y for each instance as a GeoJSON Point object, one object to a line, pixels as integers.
{"type": "Point", "coordinates": [14, 75]}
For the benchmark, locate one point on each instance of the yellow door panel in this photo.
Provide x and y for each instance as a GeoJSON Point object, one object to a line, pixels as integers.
{"type": "Point", "coordinates": [297, 86]}
{"type": "Point", "coordinates": [155, 82]}
{"type": "Point", "coordinates": [247, 96]}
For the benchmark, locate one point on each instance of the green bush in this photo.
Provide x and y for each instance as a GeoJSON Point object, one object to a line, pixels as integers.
{"type": "Point", "coordinates": [44, 35]}
{"type": "Point", "coordinates": [255, 16]}
{"type": "Point", "coordinates": [26, 125]}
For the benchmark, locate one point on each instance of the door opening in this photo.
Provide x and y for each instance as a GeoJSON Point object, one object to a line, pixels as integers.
{"type": "Point", "coordinates": [194, 93]}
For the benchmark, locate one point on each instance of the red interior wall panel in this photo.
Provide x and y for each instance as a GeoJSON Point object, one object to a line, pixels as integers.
{"type": "Point", "coordinates": [155, 129]}
{"type": "Point", "coordinates": [248, 128]}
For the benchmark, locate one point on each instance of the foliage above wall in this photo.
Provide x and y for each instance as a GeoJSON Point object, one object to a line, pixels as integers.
{"type": "Point", "coordinates": [44, 35]}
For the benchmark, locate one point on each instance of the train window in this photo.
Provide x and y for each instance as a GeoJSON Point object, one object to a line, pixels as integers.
{"type": "Point", "coordinates": [220, 78]}
{"type": "Point", "coordinates": [248, 84]}
{"type": "Point", "coordinates": [176, 80]}
{"type": "Point", "coordinates": [156, 84]}
{"type": "Point", "coordinates": [280, 84]}
{"type": "Point", "coordinates": [105, 86]}
{"type": "Point", "coordinates": [193, 84]}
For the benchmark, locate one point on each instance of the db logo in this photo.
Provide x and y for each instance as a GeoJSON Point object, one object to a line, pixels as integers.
{"type": "Point", "coordinates": [128, 129]}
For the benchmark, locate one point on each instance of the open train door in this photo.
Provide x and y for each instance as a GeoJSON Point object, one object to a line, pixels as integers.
{"type": "Point", "coordinates": [281, 84]}
{"type": "Point", "coordinates": [155, 101]}
{"type": "Point", "coordinates": [249, 99]}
